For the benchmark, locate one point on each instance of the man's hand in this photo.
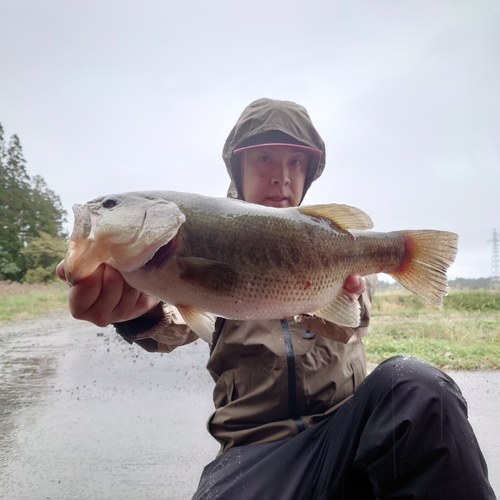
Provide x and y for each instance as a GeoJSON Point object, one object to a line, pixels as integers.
{"type": "Point", "coordinates": [355, 285]}
{"type": "Point", "coordinates": [104, 297]}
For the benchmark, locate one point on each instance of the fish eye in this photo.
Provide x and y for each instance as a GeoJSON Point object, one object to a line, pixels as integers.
{"type": "Point", "coordinates": [109, 203]}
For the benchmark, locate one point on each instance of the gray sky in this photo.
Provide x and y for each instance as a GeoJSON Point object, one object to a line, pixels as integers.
{"type": "Point", "coordinates": [112, 96]}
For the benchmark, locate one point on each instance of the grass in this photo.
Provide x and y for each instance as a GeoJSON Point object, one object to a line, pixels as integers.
{"type": "Point", "coordinates": [464, 334]}
{"type": "Point", "coordinates": [20, 301]}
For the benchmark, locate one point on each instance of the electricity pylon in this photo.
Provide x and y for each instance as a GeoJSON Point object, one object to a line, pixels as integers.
{"type": "Point", "coordinates": [495, 262]}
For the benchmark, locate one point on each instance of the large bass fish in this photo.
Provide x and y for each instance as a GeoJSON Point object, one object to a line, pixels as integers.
{"type": "Point", "coordinates": [244, 261]}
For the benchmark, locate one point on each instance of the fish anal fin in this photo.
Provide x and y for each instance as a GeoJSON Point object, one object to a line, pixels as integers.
{"type": "Point", "coordinates": [344, 310]}
{"type": "Point", "coordinates": [341, 217]}
{"type": "Point", "coordinates": [201, 322]}
{"type": "Point", "coordinates": [212, 275]}
{"type": "Point", "coordinates": [428, 255]}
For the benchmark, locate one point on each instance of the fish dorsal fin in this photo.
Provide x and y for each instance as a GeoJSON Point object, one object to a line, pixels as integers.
{"type": "Point", "coordinates": [201, 322]}
{"type": "Point", "coordinates": [212, 275]}
{"type": "Point", "coordinates": [341, 217]}
{"type": "Point", "coordinates": [343, 310]}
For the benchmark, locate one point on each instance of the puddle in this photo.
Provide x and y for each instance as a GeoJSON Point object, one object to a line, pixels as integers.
{"type": "Point", "coordinates": [84, 415]}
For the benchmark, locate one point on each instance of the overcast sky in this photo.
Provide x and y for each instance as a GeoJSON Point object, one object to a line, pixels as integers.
{"type": "Point", "coordinates": [113, 96]}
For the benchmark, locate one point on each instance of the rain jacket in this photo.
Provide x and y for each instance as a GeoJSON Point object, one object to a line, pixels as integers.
{"type": "Point", "coordinates": [273, 378]}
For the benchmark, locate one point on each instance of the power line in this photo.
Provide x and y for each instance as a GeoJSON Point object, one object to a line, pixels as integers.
{"type": "Point", "coordinates": [495, 262]}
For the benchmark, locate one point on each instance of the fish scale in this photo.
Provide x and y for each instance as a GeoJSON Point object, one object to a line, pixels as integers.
{"type": "Point", "coordinates": [244, 261]}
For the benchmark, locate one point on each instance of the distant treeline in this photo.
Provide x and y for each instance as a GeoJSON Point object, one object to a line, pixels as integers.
{"type": "Point", "coordinates": [32, 239]}
{"type": "Point", "coordinates": [456, 284]}
{"type": "Point", "coordinates": [470, 283]}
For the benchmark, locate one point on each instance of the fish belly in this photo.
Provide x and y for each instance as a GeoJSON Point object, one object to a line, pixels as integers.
{"type": "Point", "coordinates": [275, 288]}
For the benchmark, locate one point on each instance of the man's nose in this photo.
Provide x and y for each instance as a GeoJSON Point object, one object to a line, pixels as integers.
{"type": "Point", "coordinates": [281, 175]}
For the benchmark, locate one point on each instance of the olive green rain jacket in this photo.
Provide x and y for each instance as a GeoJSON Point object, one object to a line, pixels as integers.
{"type": "Point", "coordinates": [273, 378]}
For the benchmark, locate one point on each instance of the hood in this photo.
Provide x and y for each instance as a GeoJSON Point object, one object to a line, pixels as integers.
{"type": "Point", "coordinates": [269, 115]}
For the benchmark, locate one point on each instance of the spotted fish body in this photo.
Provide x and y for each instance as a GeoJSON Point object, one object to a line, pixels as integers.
{"type": "Point", "coordinates": [243, 261]}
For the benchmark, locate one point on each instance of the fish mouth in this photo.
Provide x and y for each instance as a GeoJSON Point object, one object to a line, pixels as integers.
{"type": "Point", "coordinates": [81, 241]}
{"type": "Point", "coordinates": [126, 238]}
{"type": "Point", "coordinates": [86, 251]}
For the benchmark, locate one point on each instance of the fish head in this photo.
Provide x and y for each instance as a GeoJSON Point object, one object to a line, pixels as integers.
{"type": "Point", "coordinates": [124, 231]}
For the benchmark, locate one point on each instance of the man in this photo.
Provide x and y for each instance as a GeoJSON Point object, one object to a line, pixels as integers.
{"type": "Point", "coordinates": [295, 414]}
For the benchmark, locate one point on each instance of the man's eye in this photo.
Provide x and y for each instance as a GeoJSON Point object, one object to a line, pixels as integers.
{"type": "Point", "coordinates": [265, 158]}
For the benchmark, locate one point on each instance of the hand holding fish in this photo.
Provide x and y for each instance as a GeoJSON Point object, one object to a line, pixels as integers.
{"type": "Point", "coordinates": [355, 285]}
{"type": "Point", "coordinates": [104, 297]}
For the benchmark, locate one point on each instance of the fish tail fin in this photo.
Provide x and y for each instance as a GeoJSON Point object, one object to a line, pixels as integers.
{"type": "Point", "coordinates": [428, 255]}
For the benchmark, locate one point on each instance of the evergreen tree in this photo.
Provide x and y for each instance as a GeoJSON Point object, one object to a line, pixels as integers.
{"type": "Point", "coordinates": [28, 209]}
{"type": "Point", "coordinates": [47, 213]}
{"type": "Point", "coordinates": [14, 204]}
{"type": "Point", "coordinates": [2, 149]}
{"type": "Point", "coordinates": [18, 188]}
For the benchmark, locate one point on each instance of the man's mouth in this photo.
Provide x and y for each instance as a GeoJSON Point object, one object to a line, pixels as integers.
{"type": "Point", "coordinates": [278, 201]}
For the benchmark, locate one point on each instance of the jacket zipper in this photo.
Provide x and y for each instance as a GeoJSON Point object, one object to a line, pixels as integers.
{"type": "Point", "coordinates": [292, 379]}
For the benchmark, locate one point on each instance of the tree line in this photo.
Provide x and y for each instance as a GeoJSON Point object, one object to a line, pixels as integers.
{"type": "Point", "coordinates": [32, 238]}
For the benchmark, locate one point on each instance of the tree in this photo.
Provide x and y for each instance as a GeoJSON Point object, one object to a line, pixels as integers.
{"type": "Point", "coordinates": [28, 208]}
{"type": "Point", "coordinates": [2, 148]}
{"type": "Point", "coordinates": [46, 213]}
{"type": "Point", "coordinates": [8, 270]}
{"type": "Point", "coordinates": [42, 255]}
{"type": "Point", "coordinates": [14, 203]}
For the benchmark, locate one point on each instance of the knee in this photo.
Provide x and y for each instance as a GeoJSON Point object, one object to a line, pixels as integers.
{"type": "Point", "coordinates": [414, 376]}
{"type": "Point", "coordinates": [402, 366]}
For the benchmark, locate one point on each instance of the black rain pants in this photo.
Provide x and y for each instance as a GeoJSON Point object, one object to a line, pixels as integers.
{"type": "Point", "coordinates": [403, 434]}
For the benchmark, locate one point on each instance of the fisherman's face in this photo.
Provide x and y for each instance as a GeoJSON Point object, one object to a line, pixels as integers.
{"type": "Point", "coordinates": [274, 176]}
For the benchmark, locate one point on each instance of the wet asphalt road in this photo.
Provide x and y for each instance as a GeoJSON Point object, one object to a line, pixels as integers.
{"type": "Point", "coordinates": [83, 415]}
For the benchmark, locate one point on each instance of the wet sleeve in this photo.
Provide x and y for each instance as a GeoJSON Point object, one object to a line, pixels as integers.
{"type": "Point", "coordinates": [160, 330]}
{"type": "Point", "coordinates": [339, 333]}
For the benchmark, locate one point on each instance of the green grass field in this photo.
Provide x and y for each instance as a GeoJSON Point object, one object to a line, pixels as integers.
{"type": "Point", "coordinates": [464, 334]}
{"type": "Point", "coordinates": [24, 301]}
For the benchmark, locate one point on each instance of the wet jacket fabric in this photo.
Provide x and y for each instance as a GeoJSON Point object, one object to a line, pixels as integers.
{"type": "Point", "coordinates": [273, 379]}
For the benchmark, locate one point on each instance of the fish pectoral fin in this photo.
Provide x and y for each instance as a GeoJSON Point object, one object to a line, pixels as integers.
{"type": "Point", "coordinates": [341, 217]}
{"type": "Point", "coordinates": [201, 322]}
{"type": "Point", "coordinates": [344, 310]}
{"type": "Point", "coordinates": [212, 275]}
